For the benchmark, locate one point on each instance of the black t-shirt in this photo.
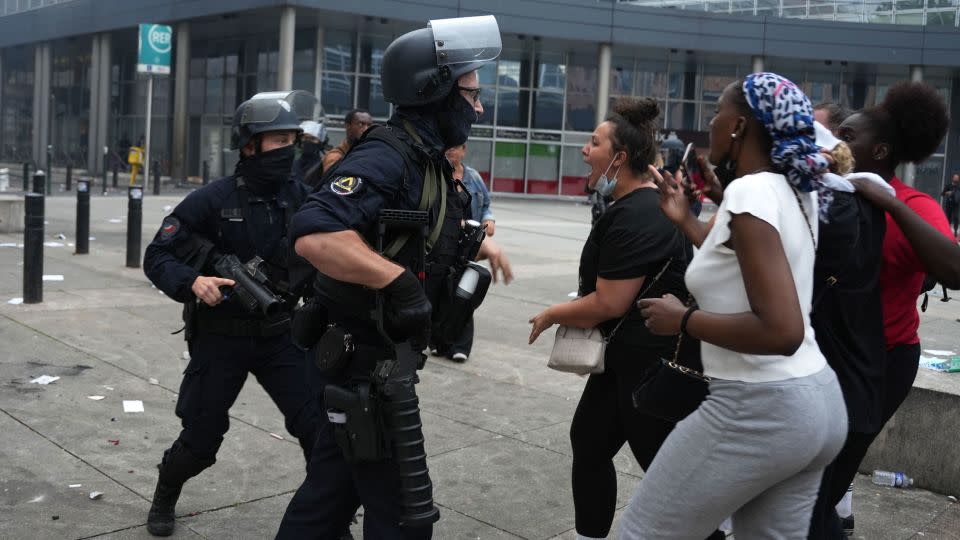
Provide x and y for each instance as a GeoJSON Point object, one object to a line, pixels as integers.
{"type": "Point", "coordinates": [634, 239]}
{"type": "Point", "coordinates": [847, 317]}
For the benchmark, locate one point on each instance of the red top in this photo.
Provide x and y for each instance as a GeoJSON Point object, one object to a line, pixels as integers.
{"type": "Point", "coordinates": [902, 274]}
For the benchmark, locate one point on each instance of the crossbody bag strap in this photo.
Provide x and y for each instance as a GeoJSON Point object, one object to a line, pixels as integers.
{"type": "Point", "coordinates": [640, 295]}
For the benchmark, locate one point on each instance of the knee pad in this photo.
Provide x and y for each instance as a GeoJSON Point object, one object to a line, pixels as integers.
{"type": "Point", "coordinates": [180, 464]}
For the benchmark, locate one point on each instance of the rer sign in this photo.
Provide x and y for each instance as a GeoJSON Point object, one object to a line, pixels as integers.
{"type": "Point", "coordinates": [155, 46]}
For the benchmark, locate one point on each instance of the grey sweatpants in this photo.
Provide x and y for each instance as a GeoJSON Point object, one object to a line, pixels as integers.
{"type": "Point", "coordinates": [753, 450]}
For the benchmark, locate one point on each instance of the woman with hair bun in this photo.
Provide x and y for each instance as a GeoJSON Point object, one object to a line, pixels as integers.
{"type": "Point", "coordinates": [906, 127]}
{"type": "Point", "coordinates": [630, 244]}
{"type": "Point", "coordinates": [775, 417]}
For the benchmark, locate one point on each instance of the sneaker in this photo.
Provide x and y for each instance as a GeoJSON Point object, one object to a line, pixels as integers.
{"type": "Point", "coordinates": [846, 523]}
{"type": "Point", "coordinates": [459, 357]}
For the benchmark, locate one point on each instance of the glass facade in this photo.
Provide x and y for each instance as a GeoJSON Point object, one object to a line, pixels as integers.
{"type": "Point", "coordinates": [540, 96]}
{"type": "Point", "coordinates": [915, 12]}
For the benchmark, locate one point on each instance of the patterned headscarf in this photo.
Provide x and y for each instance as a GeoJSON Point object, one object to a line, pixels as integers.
{"type": "Point", "coordinates": [786, 113]}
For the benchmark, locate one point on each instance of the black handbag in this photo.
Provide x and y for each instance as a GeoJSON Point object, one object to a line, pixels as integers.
{"type": "Point", "coordinates": [674, 388]}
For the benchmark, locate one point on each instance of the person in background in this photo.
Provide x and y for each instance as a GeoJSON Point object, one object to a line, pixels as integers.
{"type": "Point", "coordinates": [632, 247]}
{"type": "Point", "coordinates": [355, 122]}
{"type": "Point", "coordinates": [459, 350]}
{"type": "Point", "coordinates": [312, 143]}
{"type": "Point", "coordinates": [830, 114]}
{"type": "Point", "coordinates": [906, 127]}
{"type": "Point", "coordinates": [775, 417]}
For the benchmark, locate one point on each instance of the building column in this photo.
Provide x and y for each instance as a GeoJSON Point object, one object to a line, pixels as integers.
{"type": "Point", "coordinates": [93, 126]}
{"type": "Point", "coordinates": [318, 60]}
{"type": "Point", "coordinates": [103, 94]}
{"type": "Point", "coordinates": [756, 64]}
{"type": "Point", "coordinates": [288, 26]}
{"type": "Point", "coordinates": [910, 169]}
{"type": "Point", "coordinates": [41, 104]}
{"type": "Point", "coordinates": [603, 81]}
{"type": "Point", "coordinates": [181, 79]}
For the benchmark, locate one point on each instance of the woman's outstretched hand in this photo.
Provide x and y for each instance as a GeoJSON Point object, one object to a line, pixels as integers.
{"type": "Point", "coordinates": [673, 200]}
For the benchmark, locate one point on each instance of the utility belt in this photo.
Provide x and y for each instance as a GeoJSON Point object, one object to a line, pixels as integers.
{"type": "Point", "coordinates": [208, 323]}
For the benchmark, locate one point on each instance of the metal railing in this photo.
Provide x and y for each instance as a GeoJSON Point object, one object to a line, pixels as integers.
{"type": "Point", "coordinates": [914, 12]}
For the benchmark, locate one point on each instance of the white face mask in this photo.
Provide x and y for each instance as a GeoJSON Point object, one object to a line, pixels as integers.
{"type": "Point", "coordinates": [604, 185]}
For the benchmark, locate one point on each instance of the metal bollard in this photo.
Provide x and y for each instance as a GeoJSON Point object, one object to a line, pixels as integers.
{"type": "Point", "coordinates": [39, 182]}
{"type": "Point", "coordinates": [206, 173]}
{"type": "Point", "coordinates": [68, 181]}
{"type": "Point", "coordinates": [33, 248]}
{"type": "Point", "coordinates": [83, 217]}
{"type": "Point", "coordinates": [115, 173]}
{"type": "Point", "coordinates": [26, 177]}
{"type": "Point", "coordinates": [134, 225]}
{"type": "Point", "coordinates": [156, 177]}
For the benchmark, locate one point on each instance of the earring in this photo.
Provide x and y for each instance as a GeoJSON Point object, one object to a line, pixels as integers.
{"type": "Point", "coordinates": [733, 135]}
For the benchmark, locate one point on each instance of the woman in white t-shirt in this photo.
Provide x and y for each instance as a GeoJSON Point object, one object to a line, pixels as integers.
{"type": "Point", "coordinates": [775, 416]}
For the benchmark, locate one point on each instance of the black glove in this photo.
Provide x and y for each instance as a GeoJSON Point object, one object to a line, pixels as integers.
{"type": "Point", "coordinates": [407, 310]}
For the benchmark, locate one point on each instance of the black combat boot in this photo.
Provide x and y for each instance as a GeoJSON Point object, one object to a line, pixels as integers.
{"type": "Point", "coordinates": [162, 516]}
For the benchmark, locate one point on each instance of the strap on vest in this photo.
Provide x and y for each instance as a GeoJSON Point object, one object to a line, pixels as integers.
{"type": "Point", "coordinates": [431, 179]}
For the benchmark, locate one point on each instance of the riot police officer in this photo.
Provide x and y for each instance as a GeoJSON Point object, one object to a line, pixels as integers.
{"type": "Point", "coordinates": [356, 230]}
{"type": "Point", "coordinates": [224, 254]}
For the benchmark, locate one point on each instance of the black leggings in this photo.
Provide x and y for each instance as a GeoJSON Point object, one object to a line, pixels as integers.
{"type": "Point", "coordinates": [604, 420]}
{"type": "Point", "coordinates": [902, 364]}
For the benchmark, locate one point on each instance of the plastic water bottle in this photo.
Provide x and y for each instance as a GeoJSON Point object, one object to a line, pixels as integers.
{"type": "Point", "coordinates": [892, 479]}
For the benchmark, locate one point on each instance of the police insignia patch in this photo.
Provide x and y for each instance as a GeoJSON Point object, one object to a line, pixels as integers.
{"type": "Point", "coordinates": [346, 185]}
{"type": "Point", "coordinates": [169, 228]}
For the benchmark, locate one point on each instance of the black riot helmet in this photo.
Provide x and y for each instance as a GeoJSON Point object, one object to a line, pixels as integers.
{"type": "Point", "coordinates": [423, 66]}
{"type": "Point", "coordinates": [272, 111]}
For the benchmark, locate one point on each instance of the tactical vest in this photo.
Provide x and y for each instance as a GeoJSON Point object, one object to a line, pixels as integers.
{"type": "Point", "coordinates": [446, 207]}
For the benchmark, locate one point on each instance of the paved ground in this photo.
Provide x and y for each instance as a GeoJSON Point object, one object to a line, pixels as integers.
{"type": "Point", "coordinates": [496, 427]}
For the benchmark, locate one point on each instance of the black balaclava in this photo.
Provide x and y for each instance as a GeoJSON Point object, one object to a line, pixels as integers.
{"type": "Point", "coordinates": [266, 172]}
{"type": "Point", "coordinates": [455, 117]}
{"type": "Point", "coordinates": [310, 151]}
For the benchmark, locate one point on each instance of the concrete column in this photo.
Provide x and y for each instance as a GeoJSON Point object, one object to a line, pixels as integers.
{"type": "Point", "coordinates": [93, 126]}
{"type": "Point", "coordinates": [103, 109]}
{"type": "Point", "coordinates": [181, 79]}
{"type": "Point", "coordinates": [910, 169]}
{"type": "Point", "coordinates": [37, 120]}
{"type": "Point", "coordinates": [318, 60]}
{"type": "Point", "coordinates": [45, 108]}
{"type": "Point", "coordinates": [41, 103]}
{"type": "Point", "coordinates": [603, 81]}
{"type": "Point", "coordinates": [288, 25]}
{"type": "Point", "coordinates": [756, 64]}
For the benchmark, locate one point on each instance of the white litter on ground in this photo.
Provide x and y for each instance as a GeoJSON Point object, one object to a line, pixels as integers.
{"type": "Point", "coordinates": [75, 485]}
{"type": "Point", "coordinates": [45, 379]}
{"type": "Point", "coordinates": [53, 244]}
{"type": "Point", "coordinates": [52, 277]}
{"type": "Point", "coordinates": [132, 405]}
{"type": "Point", "coordinates": [94, 495]}
{"type": "Point", "coordinates": [15, 301]}
{"type": "Point", "coordinates": [167, 208]}
{"type": "Point", "coordinates": [186, 355]}
{"type": "Point", "coordinates": [108, 387]}
{"type": "Point", "coordinates": [115, 220]}
{"type": "Point", "coordinates": [38, 498]}
{"type": "Point", "coordinates": [151, 380]}
{"type": "Point", "coordinates": [936, 352]}
{"type": "Point", "coordinates": [91, 238]}
{"type": "Point", "coordinates": [96, 398]}
{"type": "Point", "coordinates": [275, 436]}
{"type": "Point", "coordinates": [8, 244]}
{"type": "Point", "coordinates": [61, 236]}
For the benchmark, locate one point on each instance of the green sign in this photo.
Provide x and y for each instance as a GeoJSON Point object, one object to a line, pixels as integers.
{"type": "Point", "coordinates": [155, 48]}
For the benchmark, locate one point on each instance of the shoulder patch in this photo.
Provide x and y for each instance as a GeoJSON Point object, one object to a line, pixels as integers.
{"type": "Point", "coordinates": [169, 228]}
{"type": "Point", "coordinates": [346, 185]}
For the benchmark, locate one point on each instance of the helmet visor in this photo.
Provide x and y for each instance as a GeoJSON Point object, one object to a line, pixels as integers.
{"type": "Point", "coordinates": [265, 107]}
{"type": "Point", "coordinates": [466, 39]}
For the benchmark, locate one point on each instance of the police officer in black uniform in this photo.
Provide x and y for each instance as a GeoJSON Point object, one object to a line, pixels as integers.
{"type": "Point", "coordinates": [370, 450]}
{"type": "Point", "coordinates": [239, 217]}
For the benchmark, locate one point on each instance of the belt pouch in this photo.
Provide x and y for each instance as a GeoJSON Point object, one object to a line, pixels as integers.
{"type": "Point", "coordinates": [333, 350]}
